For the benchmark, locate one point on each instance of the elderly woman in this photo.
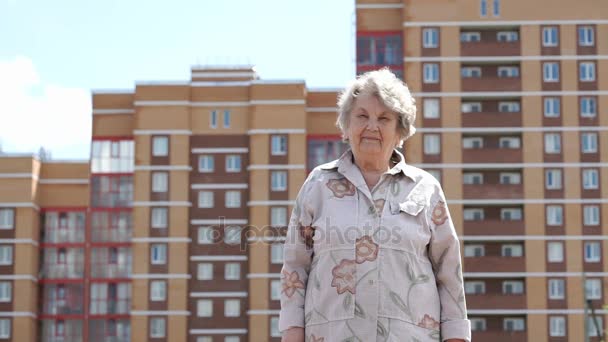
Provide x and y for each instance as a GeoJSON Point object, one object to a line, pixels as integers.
{"type": "Point", "coordinates": [371, 251]}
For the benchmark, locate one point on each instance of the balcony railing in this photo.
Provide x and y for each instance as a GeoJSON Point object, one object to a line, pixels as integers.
{"type": "Point", "coordinates": [492, 155]}
{"type": "Point", "coordinates": [492, 119]}
{"type": "Point", "coordinates": [493, 191]}
{"type": "Point", "coordinates": [491, 83]}
{"type": "Point", "coordinates": [494, 227]}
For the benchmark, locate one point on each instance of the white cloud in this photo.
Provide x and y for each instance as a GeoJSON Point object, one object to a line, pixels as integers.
{"type": "Point", "coordinates": [34, 113]}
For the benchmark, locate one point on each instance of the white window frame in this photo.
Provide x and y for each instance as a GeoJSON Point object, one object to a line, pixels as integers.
{"type": "Point", "coordinates": [278, 180]}
{"type": "Point", "coordinates": [162, 260]}
{"type": "Point", "coordinates": [232, 271]}
{"type": "Point", "coordinates": [204, 271]}
{"type": "Point", "coordinates": [555, 181]}
{"type": "Point", "coordinates": [470, 72]}
{"type": "Point", "coordinates": [589, 142]}
{"type": "Point", "coordinates": [592, 251]}
{"type": "Point", "coordinates": [431, 108]}
{"type": "Point", "coordinates": [550, 36]}
{"type": "Point", "coordinates": [471, 107]}
{"type": "Point", "coordinates": [232, 235]}
{"type": "Point", "coordinates": [157, 327]}
{"type": "Point", "coordinates": [507, 36]}
{"type": "Point", "coordinates": [6, 255]}
{"type": "Point", "coordinates": [278, 145]}
{"type": "Point", "coordinates": [469, 214]}
{"type": "Point", "coordinates": [7, 218]}
{"type": "Point", "coordinates": [586, 36]}
{"type": "Point", "coordinates": [588, 107]}
{"type": "Point", "coordinates": [553, 143]}
{"type": "Point", "coordinates": [470, 37]}
{"type": "Point", "coordinates": [6, 289]}
{"type": "Point", "coordinates": [591, 327]}
{"type": "Point", "coordinates": [231, 339]}
{"type": "Point", "coordinates": [513, 177]}
{"type": "Point", "coordinates": [160, 181]}
{"type": "Point", "coordinates": [472, 178]}
{"type": "Point", "coordinates": [278, 216]}
{"type": "Point", "coordinates": [514, 214]}
{"type": "Point", "coordinates": [591, 179]}
{"type": "Point", "coordinates": [431, 73]}
{"type": "Point", "coordinates": [430, 37]}
{"type": "Point", "coordinates": [591, 215]}
{"type": "Point", "coordinates": [205, 235]}
{"type": "Point", "coordinates": [474, 287]}
{"type": "Point", "coordinates": [233, 163]}
{"type": "Point", "coordinates": [472, 142]}
{"type": "Point", "coordinates": [551, 71]}
{"type": "Point", "coordinates": [554, 215]}
{"type": "Point", "coordinates": [159, 217]}
{"type": "Point", "coordinates": [158, 290]}
{"type": "Point", "coordinates": [483, 8]}
{"type": "Point", "coordinates": [213, 119]}
{"type": "Point", "coordinates": [496, 8]}
{"type": "Point", "coordinates": [232, 307]}
{"type": "Point", "coordinates": [513, 142]}
{"type": "Point", "coordinates": [160, 146]}
{"type": "Point", "coordinates": [206, 163]}
{"type": "Point", "coordinates": [517, 287]}
{"type": "Point", "coordinates": [226, 118]}
{"type": "Point", "coordinates": [232, 199]}
{"type": "Point", "coordinates": [555, 251]}
{"type": "Point", "coordinates": [432, 144]}
{"type": "Point", "coordinates": [593, 288]}
{"type": "Point", "coordinates": [274, 327]}
{"type": "Point", "coordinates": [557, 289]}
{"type": "Point", "coordinates": [5, 328]}
{"type": "Point", "coordinates": [513, 324]}
{"type": "Point", "coordinates": [478, 324]}
{"type": "Point", "coordinates": [205, 199]}
{"type": "Point", "coordinates": [276, 253]}
{"type": "Point", "coordinates": [586, 71]}
{"type": "Point", "coordinates": [510, 71]}
{"type": "Point", "coordinates": [509, 107]}
{"type": "Point", "coordinates": [552, 107]}
{"type": "Point", "coordinates": [275, 289]}
{"type": "Point", "coordinates": [517, 250]}
{"type": "Point", "coordinates": [557, 326]}
{"type": "Point", "coordinates": [204, 308]}
{"type": "Point", "coordinates": [470, 250]}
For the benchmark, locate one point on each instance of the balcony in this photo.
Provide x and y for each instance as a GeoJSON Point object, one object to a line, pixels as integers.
{"type": "Point", "coordinates": [492, 119]}
{"type": "Point", "coordinates": [63, 263]}
{"type": "Point", "coordinates": [500, 336]}
{"type": "Point", "coordinates": [101, 330]}
{"type": "Point", "coordinates": [71, 330]}
{"type": "Point", "coordinates": [490, 48]}
{"type": "Point", "coordinates": [494, 264]}
{"type": "Point", "coordinates": [491, 83]}
{"type": "Point", "coordinates": [493, 191]}
{"type": "Point", "coordinates": [492, 301]}
{"type": "Point", "coordinates": [110, 262]}
{"type": "Point", "coordinates": [63, 299]}
{"type": "Point", "coordinates": [492, 155]}
{"type": "Point", "coordinates": [494, 227]}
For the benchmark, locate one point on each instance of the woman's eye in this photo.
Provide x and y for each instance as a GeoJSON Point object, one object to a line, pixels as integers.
{"type": "Point", "coordinates": [362, 116]}
{"type": "Point", "coordinates": [383, 118]}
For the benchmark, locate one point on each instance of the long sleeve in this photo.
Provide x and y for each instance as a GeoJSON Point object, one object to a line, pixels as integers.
{"type": "Point", "coordinates": [444, 252]}
{"type": "Point", "coordinates": [296, 261]}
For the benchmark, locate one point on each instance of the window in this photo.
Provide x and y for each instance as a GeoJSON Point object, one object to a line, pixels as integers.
{"type": "Point", "coordinates": [205, 199]}
{"type": "Point", "coordinates": [483, 8]}
{"type": "Point", "coordinates": [160, 181]}
{"type": "Point", "coordinates": [553, 143]}
{"type": "Point", "coordinates": [509, 107]}
{"type": "Point", "coordinates": [431, 72]}
{"type": "Point", "coordinates": [5, 291]}
{"type": "Point", "coordinates": [555, 251]}
{"type": "Point", "coordinates": [552, 107]}
{"type": "Point", "coordinates": [204, 339]}
{"type": "Point", "coordinates": [513, 324]}
{"type": "Point", "coordinates": [468, 37]}
{"type": "Point", "coordinates": [474, 251]}
{"type": "Point", "coordinates": [431, 108]}
{"type": "Point", "coordinates": [233, 163]}
{"type": "Point", "coordinates": [7, 218]}
{"type": "Point", "coordinates": [275, 289]}
{"type": "Point", "coordinates": [159, 217]}
{"type": "Point", "coordinates": [512, 287]}
{"type": "Point", "coordinates": [232, 339]}
{"type": "Point", "coordinates": [510, 178]}
{"type": "Point", "coordinates": [232, 271]}
{"type": "Point", "coordinates": [430, 38]}
{"type": "Point", "coordinates": [593, 252]}
{"type": "Point", "coordinates": [472, 142]}
{"type": "Point", "coordinates": [472, 178]}
{"type": "Point", "coordinates": [471, 107]}
{"type": "Point", "coordinates": [556, 288]}
{"type": "Point", "coordinates": [232, 308]}
{"type": "Point", "coordinates": [5, 328]}
{"type": "Point", "coordinates": [593, 289]}
{"type": "Point", "coordinates": [157, 327]}
{"type": "Point", "coordinates": [380, 50]}
{"type": "Point", "coordinates": [588, 107]}
{"type": "Point", "coordinates": [435, 173]}
{"type": "Point", "coordinates": [550, 36]}
{"type": "Point", "coordinates": [507, 36]}
{"type": "Point", "coordinates": [278, 180]}
{"type": "Point", "coordinates": [226, 118]}
{"type": "Point", "coordinates": [431, 144]}
{"type": "Point", "coordinates": [555, 215]}
{"type": "Point", "coordinates": [508, 71]}
{"type": "Point", "coordinates": [205, 235]}
{"type": "Point", "coordinates": [158, 290]}
{"type": "Point", "coordinates": [470, 72]}
{"type": "Point", "coordinates": [553, 179]}
{"type": "Point", "coordinates": [585, 36]}
{"type": "Point", "coordinates": [474, 287]}
{"type": "Point", "coordinates": [512, 250]}
{"type": "Point", "coordinates": [276, 253]}
{"type": "Point", "coordinates": [557, 326]}
{"type": "Point", "coordinates": [586, 71]}
{"type": "Point", "coordinates": [590, 179]}
{"type": "Point", "coordinates": [478, 324]}
{"type": "Point", "coordinates": [509, 142]}
{"type": "Point", "coordinates": [589, 142]}
{"type": "Point", "coordinates": [510, 214]}
{"type": "Point", "coordinates": [204, 308]}
{"type": "Point", "coordinates": [551, 72]}
{"type": "Point", "coordinates": [274, 327]}
{"type": "Point", "coordinates": [496, 8]}
{"type": "Point", "coordinates": [160, 146]}
{"type": "Point", "coordinates": [232, 235]}
{"type": "Point", "coordinates": [158, 254]}
{"type": "Point", "coordinates": [591, 215]}
{"type": "Point", "coordinates": [278, 216]}
{"type": "Point", "coordinates": [6, 255]}
{"type": "Point", "coordinates": [323, 150]}
{"type": "Point", "coordinates": [213, 119]}
{"type": "Point", "coordinates": [473, 214]}
{"type": "Point", "coordinates": [233, 199]}
{"type": "Point", "coordinates": [204, 271]}
{"type": "Point", "coordinates": [205, 164]}
{"type": "Point", "coordinates": [591, 326]}
{"type": "Point", "coordinates": [279, 145]}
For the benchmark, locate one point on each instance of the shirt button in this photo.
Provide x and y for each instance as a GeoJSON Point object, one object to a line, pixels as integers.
{"type": "Point", "coordinates": [371, 282]}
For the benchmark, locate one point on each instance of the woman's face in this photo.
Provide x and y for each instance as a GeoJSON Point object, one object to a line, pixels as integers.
{"type": "Point", "coordinates": [372, 130]}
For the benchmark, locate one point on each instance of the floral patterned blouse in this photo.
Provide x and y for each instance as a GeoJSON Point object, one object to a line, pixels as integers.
{"type": "Point", "coordinates": [379, 265]}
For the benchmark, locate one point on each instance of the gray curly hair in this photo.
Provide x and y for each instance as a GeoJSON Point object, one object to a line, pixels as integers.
{"type": "Point", "coordinates": [392, 93]}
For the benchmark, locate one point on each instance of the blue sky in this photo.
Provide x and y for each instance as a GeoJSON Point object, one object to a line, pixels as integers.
{"type": "Point", "coordinates": [53, 53]}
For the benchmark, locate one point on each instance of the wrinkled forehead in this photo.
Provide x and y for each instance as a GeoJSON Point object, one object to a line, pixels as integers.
{"type": "Point", "coordinates": [372, 104]}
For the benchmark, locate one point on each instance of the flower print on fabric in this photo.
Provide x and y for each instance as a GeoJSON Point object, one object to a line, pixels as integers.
{"type": "Point", "coordinates": [291, 282]}
{"type": "Point", "coordinates": [307, 233]}
{"type": "Point", "coordinates": [428, 322]}
{"type": "Point", "coordinates": [440, 213]}
{"type": "Point", "coordinates": [344, 276]}
{"type": "Point", "coordinates": [341, 187]}
{"type": "Point", "coordinates": [366, 249]}
{"type": "Point", "coordinates": [313, 338]}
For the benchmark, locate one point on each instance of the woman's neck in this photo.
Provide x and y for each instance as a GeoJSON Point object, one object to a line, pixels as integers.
{"type": "Point", "coordinates": [371, 170]}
